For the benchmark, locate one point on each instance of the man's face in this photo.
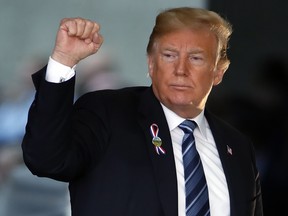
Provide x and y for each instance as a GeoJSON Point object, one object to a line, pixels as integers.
{"type": "Point", "coordinates": [183, 70]}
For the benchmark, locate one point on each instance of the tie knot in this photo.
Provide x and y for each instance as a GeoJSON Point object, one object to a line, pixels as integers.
{"type": "Point", "coordinates": [188, 126]}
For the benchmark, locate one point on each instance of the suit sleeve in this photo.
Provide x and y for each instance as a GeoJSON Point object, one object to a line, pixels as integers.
{"type": "Point", "coordinates": [46, 145]}
{"type": "Point", "coordinates": [258, 208]}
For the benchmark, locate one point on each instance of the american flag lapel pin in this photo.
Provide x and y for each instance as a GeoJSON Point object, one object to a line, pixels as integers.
{"type": "Point", "coordinates": [156, 140]}
{"type": "Point", "coordinates": [229, 150]}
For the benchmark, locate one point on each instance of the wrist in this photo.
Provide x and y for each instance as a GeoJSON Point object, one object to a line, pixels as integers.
{"type": "Point", "coordinates": [64, 59]}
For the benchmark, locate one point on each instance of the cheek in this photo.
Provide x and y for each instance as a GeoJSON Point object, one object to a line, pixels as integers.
{"type": "Point", "coordinates": [205, 81]}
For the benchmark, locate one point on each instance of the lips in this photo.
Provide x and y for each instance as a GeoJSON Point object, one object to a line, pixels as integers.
{"type": "Point", "coordinates": [180, 86]}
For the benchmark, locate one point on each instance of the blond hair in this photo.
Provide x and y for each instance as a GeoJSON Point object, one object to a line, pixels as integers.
{"type": "Point", "coordinates": [193, 18]}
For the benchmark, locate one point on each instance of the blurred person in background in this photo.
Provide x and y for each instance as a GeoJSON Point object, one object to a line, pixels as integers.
{"type": "Point", "coordinates": [120, 150]}
{"type": "Point", "coordinates": [21, 193]}
{"type": "Point", "coordinates": [13, 116]}
{"type": "Point", "coordinates": [99, 72]}
{"type": "Point", "coordinates": [15, 104]}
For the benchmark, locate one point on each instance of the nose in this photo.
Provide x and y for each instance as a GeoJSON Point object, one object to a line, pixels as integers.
{"type": "Point", "coordinates": [181, 67]}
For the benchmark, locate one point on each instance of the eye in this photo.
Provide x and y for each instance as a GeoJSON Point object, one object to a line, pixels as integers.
{"type": "Point", "coordinates": [169, 56]}
{"type": "Point", "coordinates": [197, 59]}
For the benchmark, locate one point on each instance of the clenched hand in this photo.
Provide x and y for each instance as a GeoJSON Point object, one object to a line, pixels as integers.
{"type": "Point", "coordinates": [77, 38]}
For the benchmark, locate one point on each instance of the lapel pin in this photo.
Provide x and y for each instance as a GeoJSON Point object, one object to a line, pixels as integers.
{"type": "Point", "coordinates": [157, 142]}
{"type": "Point", "coordinates": [229, 150]}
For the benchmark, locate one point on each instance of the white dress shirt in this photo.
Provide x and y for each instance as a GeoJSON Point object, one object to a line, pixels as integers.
{"type": "Point", "coordinates": [217, 186]}
{"type": "Point", "coordinates": [57, 72]}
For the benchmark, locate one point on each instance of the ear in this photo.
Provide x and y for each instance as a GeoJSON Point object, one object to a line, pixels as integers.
{"type": "Point", "coordinates": [150, 63]}
{"type": "Point", "coordinates": [218, 75]}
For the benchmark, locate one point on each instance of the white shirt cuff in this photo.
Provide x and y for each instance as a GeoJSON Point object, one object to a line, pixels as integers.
{"type": "Point", "coordinates": [57, 72]}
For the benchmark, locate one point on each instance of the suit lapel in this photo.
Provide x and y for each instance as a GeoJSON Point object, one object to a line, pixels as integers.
{"type": "Point", "coordinates": [230, 162]}
{"type": "Point", "coordinates": [150, 112]}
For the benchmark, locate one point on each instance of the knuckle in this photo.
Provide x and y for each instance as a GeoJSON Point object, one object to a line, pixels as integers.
{"type": "Point", "coordinates": [80, 21]}
{"type": "Point", "coordinates": [96, 26]}
{"type": "Point", "coordinates": [89, 23]}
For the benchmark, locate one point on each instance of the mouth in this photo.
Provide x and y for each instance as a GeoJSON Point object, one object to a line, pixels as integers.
{"type": "Point", "coordinates": [180, 87]}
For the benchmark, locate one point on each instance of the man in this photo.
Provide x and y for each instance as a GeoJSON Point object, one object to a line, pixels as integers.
{"type": "Point", "coordinates": [120, 150]}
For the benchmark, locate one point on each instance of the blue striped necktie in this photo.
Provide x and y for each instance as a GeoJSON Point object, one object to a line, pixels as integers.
{"type": "Point", "coordinates": [197, 202]}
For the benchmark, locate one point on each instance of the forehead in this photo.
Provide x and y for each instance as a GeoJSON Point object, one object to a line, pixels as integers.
{"type": "Point", "coordinates": [188, 38]}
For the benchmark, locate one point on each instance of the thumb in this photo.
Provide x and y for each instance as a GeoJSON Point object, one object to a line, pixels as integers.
{"type": "Point", "coordinates": [97, 39]}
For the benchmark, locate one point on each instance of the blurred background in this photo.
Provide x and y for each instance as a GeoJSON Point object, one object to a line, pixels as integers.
{"type": "Point", "coordinates": [252, 96]}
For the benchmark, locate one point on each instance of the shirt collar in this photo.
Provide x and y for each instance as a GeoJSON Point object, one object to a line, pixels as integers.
{"type": "Point", "coordinates": [174, 120]}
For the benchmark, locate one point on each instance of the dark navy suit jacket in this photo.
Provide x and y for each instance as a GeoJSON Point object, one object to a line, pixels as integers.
{"type": "Point", "coordinates": [102, 146]}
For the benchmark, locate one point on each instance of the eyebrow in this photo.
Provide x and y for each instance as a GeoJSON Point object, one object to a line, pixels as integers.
{"type": "Point", "coordinates": [174, 49]}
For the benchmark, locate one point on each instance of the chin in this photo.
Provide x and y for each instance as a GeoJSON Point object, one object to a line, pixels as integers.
{"type": "Point", "coordinates": [180, 102]}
